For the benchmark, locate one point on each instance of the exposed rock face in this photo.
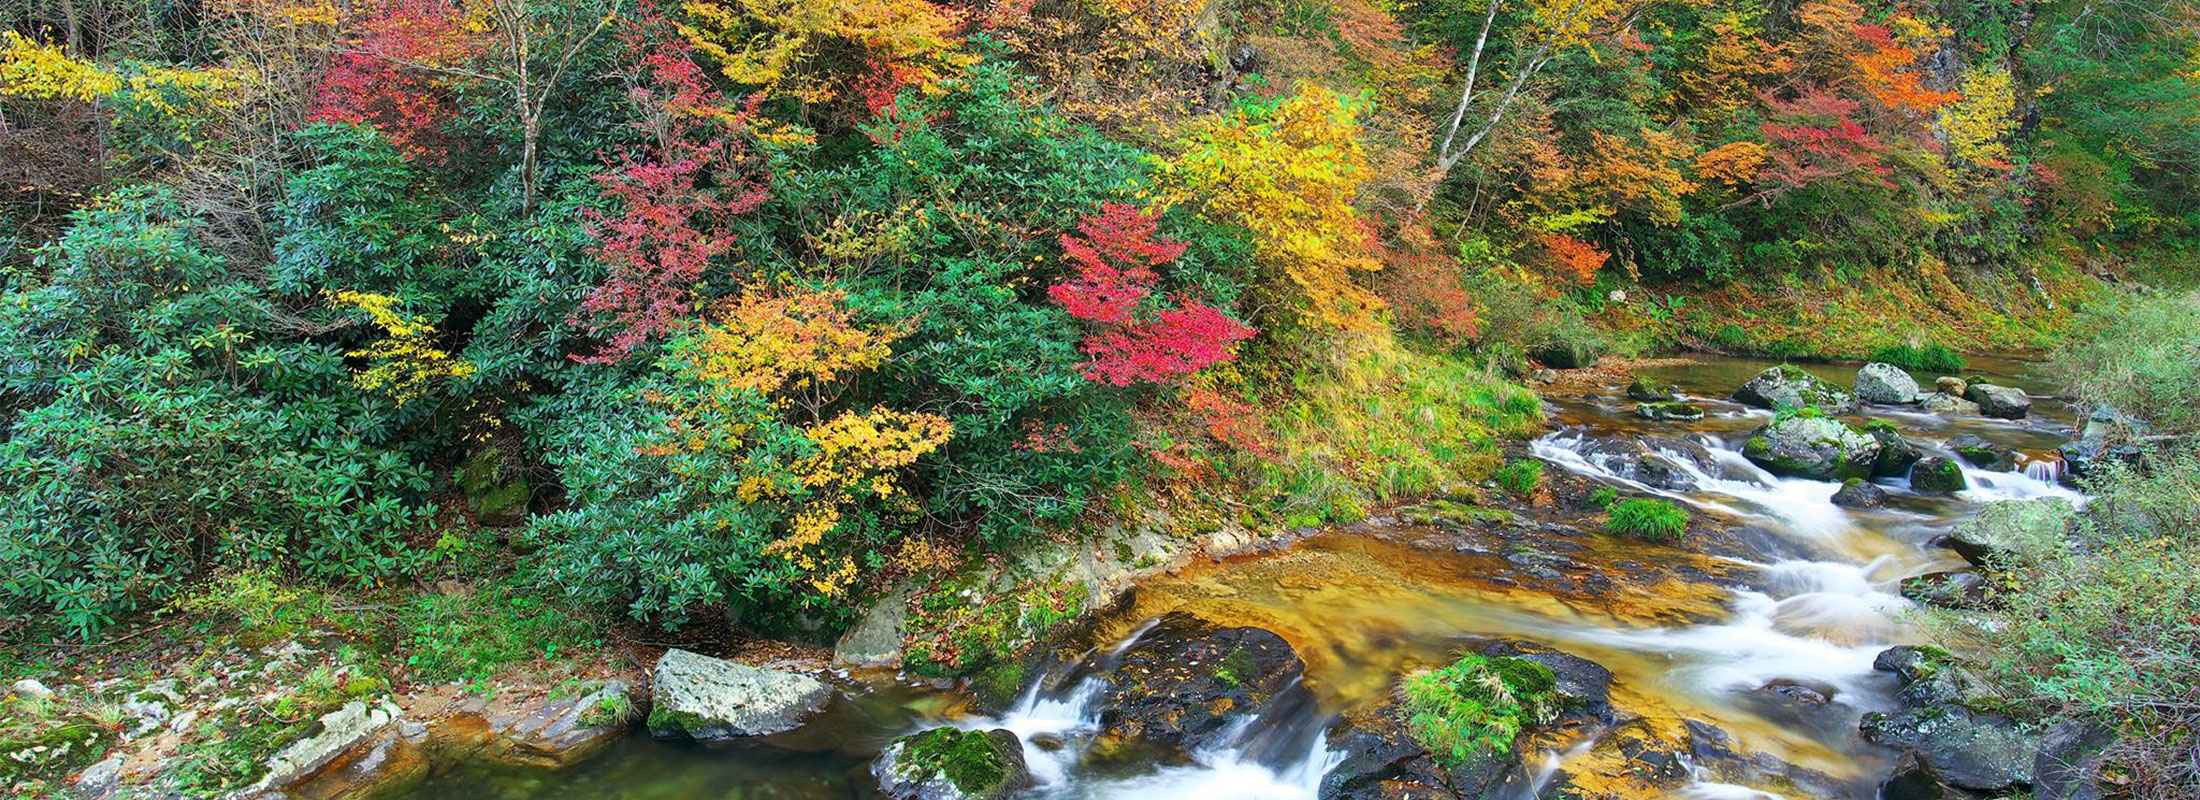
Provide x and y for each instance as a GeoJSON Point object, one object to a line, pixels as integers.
{"type": "Point", "coordinates": [1937, 476]}
{"type": "Point", "coordinates": [2005, 402]}
{"type": "Point", "coordinates": [1651, 390]}
{"type": "Point", "coordinates": [1787, 387]}
{"type": "Point", "coordinates": [338, 733]}
{"type": "Point", "coordinates": [703, 698]}
{"type": "Point", "coordinates": [1941, 727]}
{"type": "Point", "coordinates": [1184, 681]}
{"type": "Point", "coordinates": [2008, 533]}
{"type": "Point", "coordinates": [1859, 493]}
{"type": "Point", "coordinates": [1669, 412]}
{"type": "Point", "coordinates": [1885, 383]}
{"type": "Point", "coordinates": [1818, 448]}
{"type": "Point", "coordinates": [2069, 763]}
{"type": "Point", "coordinates": [950, 764]}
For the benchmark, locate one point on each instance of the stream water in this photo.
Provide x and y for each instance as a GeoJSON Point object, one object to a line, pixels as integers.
{"type": "Point", "coordinates": [1811, 603]}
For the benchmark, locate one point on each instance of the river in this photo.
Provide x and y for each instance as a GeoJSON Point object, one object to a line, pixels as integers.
{"type": "Point", "coordinates": [1808, 600]}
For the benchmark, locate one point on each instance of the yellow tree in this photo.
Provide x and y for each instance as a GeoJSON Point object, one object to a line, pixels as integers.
{"type": "Point", "coordinates": [776, 45]}
{"type": "Point", "coordinates": [1550, 28]}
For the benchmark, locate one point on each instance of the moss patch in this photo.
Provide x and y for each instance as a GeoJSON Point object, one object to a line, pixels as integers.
{"type": "Point", "coordinates": [1478, 705]}
{"type": "Point", "coordinates": [971, 760]}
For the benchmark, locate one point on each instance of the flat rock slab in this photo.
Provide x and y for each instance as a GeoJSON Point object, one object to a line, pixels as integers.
{"type": "Point", "coordinates": [703, 698]}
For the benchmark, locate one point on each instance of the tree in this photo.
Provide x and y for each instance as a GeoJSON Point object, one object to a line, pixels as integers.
{"type": "Point", "coordinates": [1550, 27]}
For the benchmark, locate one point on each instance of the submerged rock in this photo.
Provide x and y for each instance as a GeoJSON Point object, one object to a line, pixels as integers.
{"type": "Point", "coordinates": [1885, 383]}
{"type": "Point", "coordinates": [2005, 402]}
{"type": "Point", "coordinates": [703, 698]}
{"type": "Point", "coordinates": [1651, 390]}
{"type": "Point", "coordinates": [947, 763]}
{"type": "Point", "coordinates": [1669, 412]}
{"type": "Point", "coordinates": [1815, 447]}
{"type": "Point", "coordinates": [1859, 493]}
{"type": "Point", "coordinates": [1787, 387]}
{"type": "Point", "coordinates": [1937, 476]}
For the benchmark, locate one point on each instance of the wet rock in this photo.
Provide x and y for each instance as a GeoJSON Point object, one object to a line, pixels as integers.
{"type": "Point", "coordinates": [562, 732]}
{"type": "Point", "coordinates": [2004, 402]}
{"type": "Point", "coordinates": [1983, 454]}
{"type": "Point", "coordinates": [1713, 752]}
{"type": "Point", "coordinates": [1912, 779]}
{"type": "Point", "coordinates": [1859, 493]}
{"type": "Point", "coordinates": [1896, 454]}
{"type": "Point", "coordinates": [1950, 385]}
{"type": "Point", "coordinates": [1584, 686]}
{"type": "Point", "coordinates": [1669, 412]}
{"type": "Point", "coordinates": [1798, 693]}
{"type": "Point", "coordinates": [1961, 589]}
{"type": "Point", "coordinates": [337, 732]}
{"type": "Point", "coordinates": [1184, 681]}
{"type": "Point", "coordinates": [1945, 403]}
{"type": "Point", "coordinates": [1658, 461]}
{"type": "Point", "coordinates": [2088, 458]}
{"type": "Point", "coordinates": [1652, 390]}
{"type": "Point", "coordinates": [1788, 387]}
{"type": "Point", "coordinates": [1380, 760]}
{"type": "Point", "coordinates": [2012, 532]}
{"type": "Point", "coordinates": [1937, 476]}
{"type": "Point", "coordinates": [1815, 447]}
{"type": "Point", "coordinates": [1885, 383]}
{"type": "Point", "coordinates": [703, 698]}
{"type": "Point", "coordinates": [2068, 766]}
{"type": "Point", "coordinates": [875, 640]}
{"type": "Point", "coordinates": [946, 763]}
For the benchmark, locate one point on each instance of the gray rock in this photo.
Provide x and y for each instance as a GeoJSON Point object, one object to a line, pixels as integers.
{"type": "Point", "coordinates": [1983, 454]}
{"type": "Point", "coordinates": [1859, 493]}
{"type": "Point", "coordinates": [1568, 354]}
{"type": "Point", "coordinates": [1962, 589]}
{"type": "Point", "coordinates": [337, 733]}
{"type": "Point", "coordinates": [101, 779]}
{"type": "Point", "coordinates": [1650, 390]}
{"type": "Point", "coordinates": [2005, 402]}
{"type": "Point", "coordinates": [949, 764]}
{"type": "Point", "coordinates": [1787, 387]}
{"type": "Point", "coordinates": [876, 639]}
{"type": "Point", "coordinates": [2089, 458]}
{"type": "Point", "coordinates": [1662, 462]}
{"type": "Point", "coordinates": [30, 688]}
{"type": "Point", "coordinates": [1945, 403]}
{"type": "Point", "coordinates": [1896, 454]}
{"type": "Point", "coordinates": [703, 698]}
{"type": "Point", "coordinates": [1585, 686]}
{"type": "Point", "coordinates": [1969, 749]}
{"type": "Point", "coordinates": [1912, 779]}
{"type": "Point", "coordinates": [2012, 532]}
{"type": "Point", "coordinates": [1885, 383]}
{"type": "Point", "coordinates": [1814, 447]}
{"type": "Point", "coordinates": [1948, 384]}
{"type": "Point", "coordinates": [1669, 412]}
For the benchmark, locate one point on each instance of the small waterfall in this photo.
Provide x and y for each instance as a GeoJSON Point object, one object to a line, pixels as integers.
{"type": "Point", "coordinates": [2045, 470]}
{"type": "Point", "coordinates": [1739, 487]}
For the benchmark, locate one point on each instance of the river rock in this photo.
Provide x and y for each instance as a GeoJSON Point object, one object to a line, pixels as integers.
{"type": "Point", "coordinates": [337, 733]}
{"type": "Point", "coordinates": [2005, 402]}
{"type": "Point", "coordinates": [703, 698]}
{"type": "Point", "coordinates": [1983, 454]}
{"type": "Point", "coordinates": [1969, 749]}
{"type": "Point", "coordinates": [2088, 458]}
{"type": "Point", "coordinates": [1859, 493]}
{"type": "Point", "coordinates": [1186, 680]}
{"type": "Point", "coordinates": [1949, 384]}
{"type": "Point", "coordinates": [1669, 412]}
{"type": "Point", "coordinates": [1652, 390]}
{"type": "Point", "coordinates": [1714, 753]}
{"type": "Point", "coordinates": [1945, 403]}
{"type": "Point", "coordinates": [1885, 383]}
{"type": "Point", "coordinates": [1912, 779]}
{"type": "Point", "coordinates": [1815, 447]}
{"type": "Point", "coordinates": [2012, 532]}
{"type": "Point", "coordinates": [1896, 453]}
{"type": "Point", "coordinates": [947, 763]}
{"type": "Point", "coordinates": [1937, 476]}
{"type": "Point", "coordinates": [1962, 589]}
{"type": "Point", "coordinates": [1658, 461]}
{"type": "Point", "coordinates": [2069, 763]}
{"type": "Point", "coordinates": [1378, 759]}
{"type": "Point", "coordinates": [1584, 686]}
{"type": "Point", "coordinates": [1788, 387]}
{"type": "Point", "coordinates": [559, 733]}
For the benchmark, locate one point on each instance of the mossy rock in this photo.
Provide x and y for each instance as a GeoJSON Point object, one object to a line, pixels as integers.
{"type": "Point", "coordinates": [1813, 447]}
{"type": "Point", "coordinates": [1670, 412]}
{"type": "Point", "coordinates": [1651, 390]}
{"type": "Point", "coordinates": [947, 763]}
{"type": "Point", "coordinates": [1937, 476]}
{"type": "Point", "coordinates": [496, 490]}
{"type": "Point", "coordinates": [1786, 387]}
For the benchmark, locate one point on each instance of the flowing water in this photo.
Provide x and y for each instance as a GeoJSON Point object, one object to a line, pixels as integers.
{"type": "Point", "coordinates": [1810, 602]}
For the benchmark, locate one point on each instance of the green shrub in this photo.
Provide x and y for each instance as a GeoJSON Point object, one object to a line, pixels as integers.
{"type": "Point", "coordinates": [1520, 477]}
{"type": "Point", "coordinates": [2137, 353]}
{"type": "Point", "coordinates": [1478, 705]}
{"type": "Point", "coordinates": [1647, 519]}
{"type": "Point", "coordinates": [1604, 497]}
{"type": "Point", "coordinates": [1930, 357]}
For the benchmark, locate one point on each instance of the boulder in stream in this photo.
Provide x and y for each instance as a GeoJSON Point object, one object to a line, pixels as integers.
{"type": "Point", "coordinates": [1812, 446]}
{"type": "Point", "coordinates": [1945, 403]}
{"type": "Point", "coordinates": [698, 697]}
{"type": "Point", "coordinates": [1669, 412]}
{"type": "Point", "coordinates": [948, 763]}
{"type": "Point", "coordinates": [1942, 724]}
{"type": "Point", "coordinates": [2005, 402]}
{"type": "Point", "coordinates": [1185, 680]}
{"type": "Point", "coordinates": [1859, 493]}
{"type": "Point", "coordinates": [1983, 454]}
{"type": "Point", "coordinates": [1652, 390]}
{"type": "Point", "coordinates": [1885, 383]}
{"type": "Point", "coordinates": [1896, 454]}
{"type": "Point", "coordinates": [1937, 476]}
{"type": "Point", "coordinates": [1657, 461]}
{"type": "Point", "coordinates": [1787, 387]}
